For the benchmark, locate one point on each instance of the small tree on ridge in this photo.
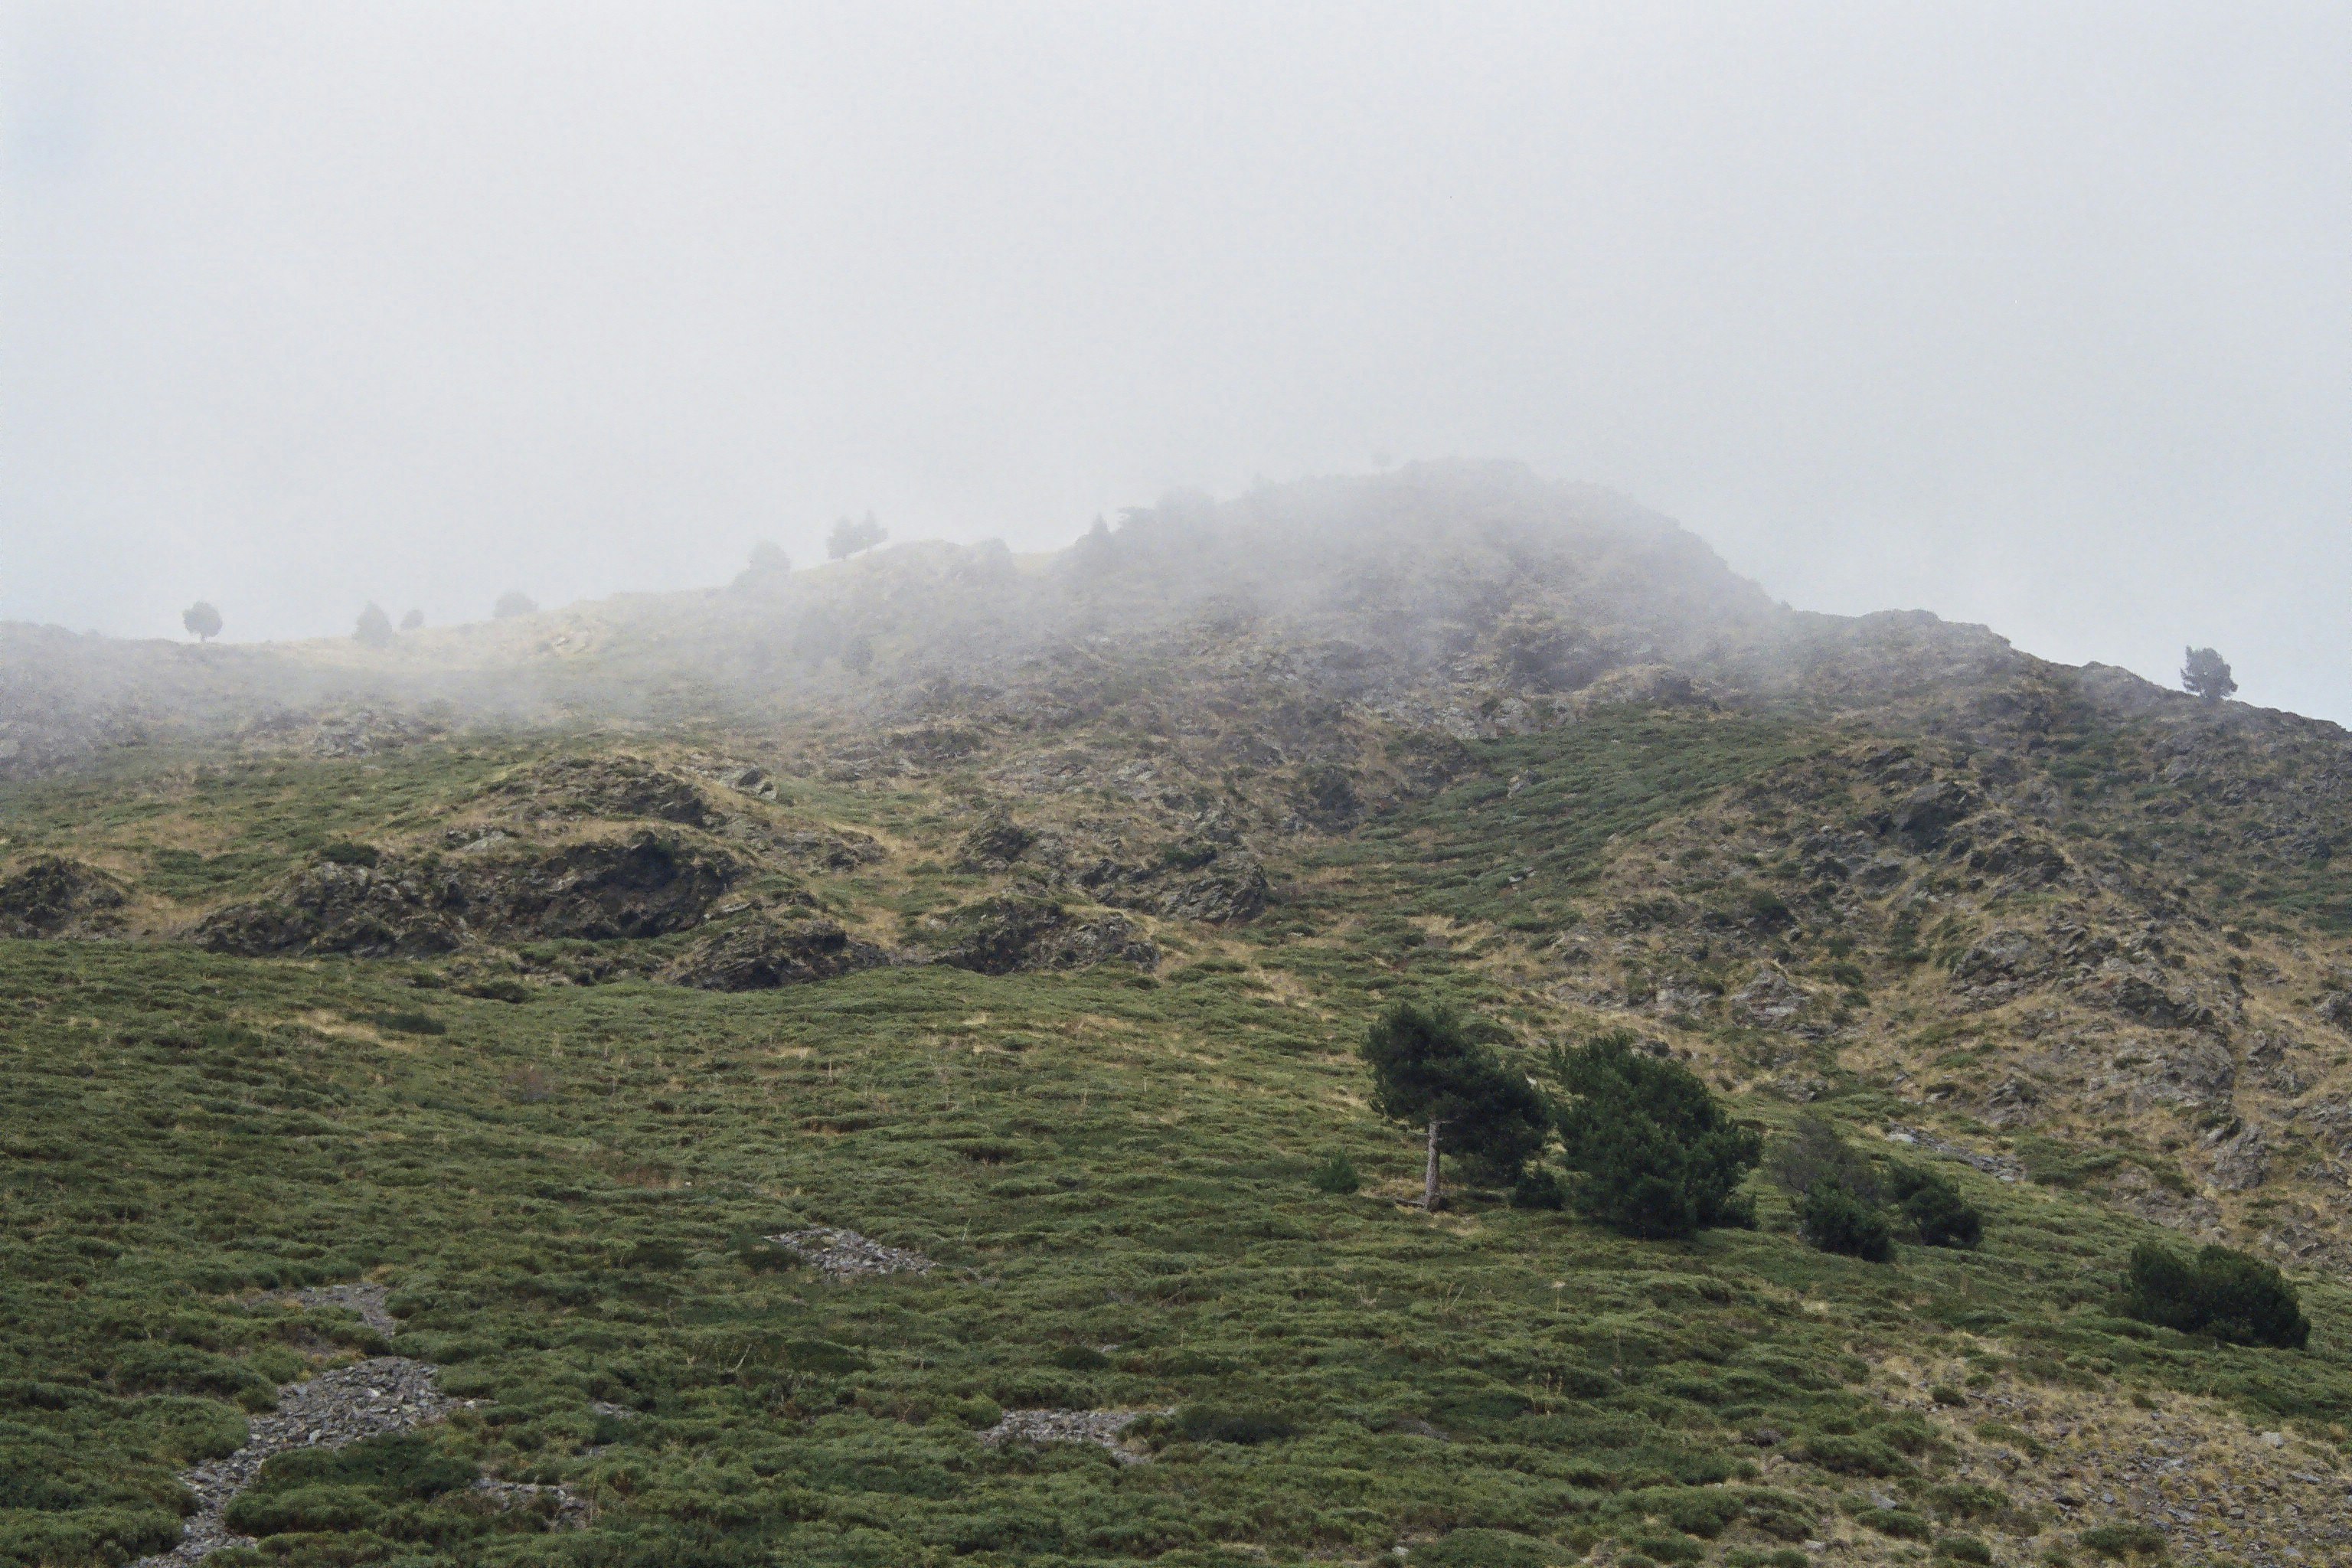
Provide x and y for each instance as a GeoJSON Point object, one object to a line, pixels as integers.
{"type": "Point", "coordinates": [2206, 674]}
{"type": "Point", "coordinates": [204, 622]}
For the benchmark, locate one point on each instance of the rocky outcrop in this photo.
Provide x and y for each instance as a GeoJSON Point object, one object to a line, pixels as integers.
{"type": "Point", "coordinates": [646, 884]}
{"type": "Point", "coordinates": [53, 896]}
{"type": "Point", "coordinates": [993, 843]}
{"type": "Point", "coordinates": [1006, 935]}
{"type": "Point", "coordinates": [1929, 812]}
{"type": "Point", "coordinates": [2001, 965]}
{"type": "Point", "coordinates": [763, 952]}
{"type": "Point", "coordinates": [1770, 1000]}
{"type": "Point", "coordinates": [574, 787]}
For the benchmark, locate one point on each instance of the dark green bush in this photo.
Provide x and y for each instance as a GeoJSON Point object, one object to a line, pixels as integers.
{"type": "Point", "coordinates": [1834, 1220]}
{"type": "Point", "coordinates": [1963, 1549]}
{"type": "Point", "coordinates": [1432, 1068]}
{"type": "Point", "coordinates": [1653, 1153]}
{"type": "Point", "coordinates": [1336, 1175]}
{"type": "Point", "coordinates": [408, 1021]}
{"type": "Point", "coordinates": [346, 853]}
{"type": "Point", "coordinates": [1939, 1215]}
{"type": "Point", "coordinates": [1489, 1549]}
{"type": "Point", "coordinates": [1539, 1188]}
{"type": "Point", "coordinates": [1214, 1423]}
{"type": "Point", "coordinates": [2224, 1293]}
{"type": "Point", "coordinates": [2121, 1540]}
{"type": "Point", "coordinates": [1813, 1155]}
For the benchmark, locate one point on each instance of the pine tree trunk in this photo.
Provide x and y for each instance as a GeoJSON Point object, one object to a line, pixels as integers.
{"type": "Point", "coordinates": [1429, 1181]}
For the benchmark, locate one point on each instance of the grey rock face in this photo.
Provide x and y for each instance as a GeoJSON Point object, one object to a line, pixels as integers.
{"type": "Point", "coordinates": [1929, 813]}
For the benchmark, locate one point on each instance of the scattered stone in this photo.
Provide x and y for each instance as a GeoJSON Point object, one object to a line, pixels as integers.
{"type": "Point", "coordinates": [1999, 1166]}
{"type": "Point", "coordinates": [562, 1507]}
{"type": "Point", "coordinates": [368, 1399]}
{"type": "Point", "coordinates": [845, 1255]}
{"type": "Point", "coordinates": [1103, 1427]}
{"type": "Point", "coordinates": [1771, 1000]}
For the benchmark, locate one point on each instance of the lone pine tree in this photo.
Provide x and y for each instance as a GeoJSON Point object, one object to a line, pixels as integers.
{"type": "Point", "coordinates": [1430, 1072]}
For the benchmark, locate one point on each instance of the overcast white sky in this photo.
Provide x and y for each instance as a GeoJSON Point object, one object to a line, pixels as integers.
{"type": "Point", "coordinates": [2039, 315]}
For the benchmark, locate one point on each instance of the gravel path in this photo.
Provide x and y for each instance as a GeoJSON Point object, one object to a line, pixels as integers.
{"type": "Point", "coordinates": [845, 1255]}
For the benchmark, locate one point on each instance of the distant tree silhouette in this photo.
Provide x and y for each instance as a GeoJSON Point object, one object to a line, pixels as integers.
{"type": "Point", "coordinates": [848, 537]}
{"type": "Point", "coordinates": [2207, 675]}
{"type": "Point", "coordinates": [204, 622]}
{"type": "Point", "coordinates": [768, 559]}
{"type": "Point", "coordinates": [412, 621]}
{"type": "Point", "coordinates": [513, 602]}
{"type": "Point", "coordinates": [374, 627]}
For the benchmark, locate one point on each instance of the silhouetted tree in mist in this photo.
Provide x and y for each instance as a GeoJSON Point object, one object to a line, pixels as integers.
{"type": "Point", "coordinates": [204, 622]}
{"type": "Point", "coordinates": [412, 621]}
{"type": "Point", "coordinates": [2207, 675]}
{"type": "Point", "coordinates": [513, 602]}
{"type": "Point", "coordinates": [374, 628]}
{"type": "Point", "coordinates": [848, 538]}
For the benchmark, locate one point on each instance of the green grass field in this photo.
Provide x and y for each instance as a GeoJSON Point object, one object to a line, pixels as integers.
{"type": "Point", "coordinates": [1112, 1174]}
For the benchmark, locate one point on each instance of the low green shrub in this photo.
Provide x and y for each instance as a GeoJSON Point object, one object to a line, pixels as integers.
{"type": "Point", "coordinates": [1214, 1424]}
{"type": "Point", "coordinates": [2119, 1542]}
{"type": "Point", "coordinates": [1939, 1215]}
{"type": "Point", "coordinates": [1336, 1175]}
{"type": "Point", "coordinates": [1655, 1154]}
{"type": "Point", "coordinates": [1539, 1188]}
{"type": "Point", "coordinates": [1489, 1549]}
{"type": "Point", "coordinates": [1833, 1219]}
{"type": "Point", "coordinates": [2222, 1293]}
{"type": "Point", "coordinates": [1963, 1549]}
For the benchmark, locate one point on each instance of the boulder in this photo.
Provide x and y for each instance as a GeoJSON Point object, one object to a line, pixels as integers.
{"type": "Point", "coordinates": [763, 952]}
{"type": "Point", "coordinates": [52, 896]}
{"type": "Point", "coordinates": [1230, 889]}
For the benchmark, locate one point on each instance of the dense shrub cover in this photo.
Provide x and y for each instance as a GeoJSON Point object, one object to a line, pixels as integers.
{"type": "Point", "coordinates": [2220, 1292]}
{"type": "Point", "coordinates": [1653, 1153]}
{"type": "Point", "coordinates": [1836, 1220]}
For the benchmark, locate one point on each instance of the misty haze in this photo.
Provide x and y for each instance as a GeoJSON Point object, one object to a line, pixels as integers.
{"type": "Point", "coordinates": [1065, 784]}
